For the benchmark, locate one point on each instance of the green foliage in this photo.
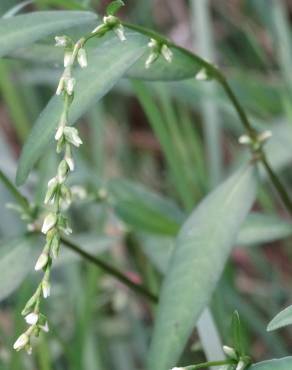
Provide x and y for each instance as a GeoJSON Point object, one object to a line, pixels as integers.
{"type": "Point", "coordinates": [284, 318]}
{"type": "Point", "coordinates": [114, 7]}
{"type": "Point", "coordinates": [198, 253]}
{"type": "Point", "coordinates": [22, 30]}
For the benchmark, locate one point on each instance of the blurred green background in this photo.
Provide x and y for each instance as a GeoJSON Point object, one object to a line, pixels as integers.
{"type": "Point", "coordinates": [175, 139]}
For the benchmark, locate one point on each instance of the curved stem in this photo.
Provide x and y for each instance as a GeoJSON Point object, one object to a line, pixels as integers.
{"type": "Point", "coordinates": [140, 289]}
{"type": "Point", "coordinates": [218, 75]}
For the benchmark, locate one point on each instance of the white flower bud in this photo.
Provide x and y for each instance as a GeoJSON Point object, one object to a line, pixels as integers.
{"type": "Point", "coordinates": [46, 288]}
{"type": "Point", "coordinates": [72, 136]}
{"type": "Point", "coordinates": [152, 43]}
{"type": "Point", "coordinates": [241, 365]}
{"type": "Point", "coordinates": [21, 342]}
{"type": "Point", "coordinates": [61, 41]}
{"type": "Point", "coordinates": [67, 58]}
{"type": "Point", "coordinates": [59, 133]}
{"type": "Point", "coordinates": [42, 261]}
{"type": "Point", "coordinates": [70, 83]}
{"type": "Point", "coordinates": [45, 327]}
{"type": "Point", "coordinates": [52, 187]}
{"type": "Point", "coordinates": [264, 136]}
{"type": "Point", "coordinates": [151, 59]}
{"type": "Point", "coordinates": [167, 53]}
{"type": "Point", "coordinates": [62, 171]}
{"type": "Point", "coordinates": [32, 318]}
{"type": "Point", "coordinates": [70, 162]}
{"type": "Point", "coordinates": [120, 32]}
{"type": "Point", "coordinates": [245, 140]}
{"type": "Point", "coordinates": [202, 75]}
{"type": "Point", "coordinates": [61, 86]}
{"type": "Point", "coordinates": [49, 222]}
{"type": "Point", "coordinates": [82, 58]}
{"type": "Point", "coordinates": [230, 352]}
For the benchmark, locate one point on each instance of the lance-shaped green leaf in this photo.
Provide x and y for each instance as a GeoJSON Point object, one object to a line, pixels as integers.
{"type": "Point", "coordinates": [17, 258]}
{"type": "Point", "coordinates": [143, 209]}
{"type": "Point", "coordinates": [284, 363]}
{"type": "Point", "coordinates": [107, 64]}
{"type": "Point", "coordinates": [202, 248]}
{"type": "Point", "coordinates": [21, 30]}
{"type": "Point", "coordinates": [284, 318]}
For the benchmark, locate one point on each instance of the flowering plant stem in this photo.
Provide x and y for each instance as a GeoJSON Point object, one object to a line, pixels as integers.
{"type": "Point", "coordinates": [205, 365]}
{"type": "Point", "coordinates": [259, 153]}
{"type": "Point", "coordinates": [140, 289]}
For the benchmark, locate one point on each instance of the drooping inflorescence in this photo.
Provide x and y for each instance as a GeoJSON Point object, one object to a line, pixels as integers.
{"type": "Point", "coordinates": [59, 196]}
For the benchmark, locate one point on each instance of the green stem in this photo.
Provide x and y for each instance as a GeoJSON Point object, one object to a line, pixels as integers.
{"type": "Point", "coordinates": [277, 184]}
{"type": "Point", "coordinates": [23, 202]}
{"type": "Point", "coordinates": [208, 364]}
{"type": "Point", "coordinates": [140, 289]}
{"type": "Point", "coordinates": [216, 73]}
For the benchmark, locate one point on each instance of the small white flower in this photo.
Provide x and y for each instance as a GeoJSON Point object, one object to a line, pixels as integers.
{"type": "Point", "coordinates": [59, 132]}
{"type": "Point", "coordinates": [21, 342]}
{"type": "Point", "coordinates": [70, 162]}
{"type": "Point", "coordinates": [120, 32]}
{"type": "Point", "coordinates": [49, 222]}
{"type": "Point", "coordinates": [110, 20]}
{"type": "Point", "coordinates": [264, 136]}
{"type": "Point", "coordinates": [62, 171]}
{"type": "Point", "coordinates": [82, 58]}
{"type": "Point", "coordinates": [52, 187]}
{"type": "Point", "coordinates": [61, 86]}
{"type": "Point", "coordinates": [230, 352]}
{"type": "Point", "coordinates": [241, 365]}
{"type": "Point", "coordinates": [245, 140]}
{"type": "Point", "coordinates": [179, 368]}
{"type": "Point", "coordinates": [152, 43]}
{"type": "Point", "coordinates": [72, 136]}
{"type": "Point", "coordinates": [67, 58]}
{"type": "Point", "coordinates": [45, 327]}
{"type": "Point", "coordinates": [202, 75]}
{"type": "Point", "coordinates": [42, 261]}
{"type": "Point", "coordinates": [61, 41]}
{"type": "Point", "coordinates": [167, 53]}
{"type": "Point", "coordinates": [78, 192]}
{"type": "Point", "coordinates": [151, 59]}
{"type": "Point", "coordinates": [46, 288]}
{"type": "Point", "coordinates": [70, 83]}
{"type": "Point", "coordinates": [32, 318]}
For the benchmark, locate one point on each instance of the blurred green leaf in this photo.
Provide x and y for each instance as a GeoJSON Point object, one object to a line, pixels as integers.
{"type": "Point", "coordinates": [202, 248]}
{"type": "Point", "coordinates": [17, 258]}
{"type": "Point", "coordinates": [21, 30]}
{"type": "Point", "coordinates": [106, 66]}
{"type": "Point", "coordinates": [284, 318]}
{"type": "Point", "coordinates": [237, 334]}
{"type": "Point", "coordinates": [114, 7]}
{"type": "Point", "coordinates": [281, 364]}
{"type": "Point", "coordinates": [260, 229]}
{"type": "Point", "coordinates": [143, 209]}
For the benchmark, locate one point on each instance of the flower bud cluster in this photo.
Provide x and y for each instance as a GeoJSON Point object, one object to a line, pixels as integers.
{"type": "Point", "coordinates": [158, 48]}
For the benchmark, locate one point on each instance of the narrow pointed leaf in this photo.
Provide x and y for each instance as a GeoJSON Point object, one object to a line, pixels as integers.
{"type": "Point", "coordinates": [284, 318]}
{"type": "Point", "coordinates": [202, 248]}
{"type": "Point", "coordinates": [107, 64]}
{"type": "Point", "coordinates": [144, 209]}
{"type": "Point", "coordinates": [22, 30]}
